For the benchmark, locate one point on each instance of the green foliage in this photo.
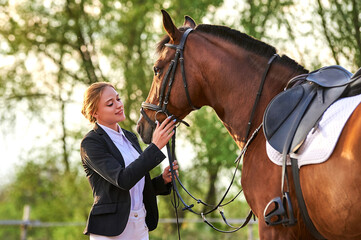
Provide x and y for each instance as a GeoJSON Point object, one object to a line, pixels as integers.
{"type": "Point", "coordinates": [340, 24]}
{"type": "Point", "coordinates": [215, 153]}
{"type": "Point", "coordinates": [52, 194]}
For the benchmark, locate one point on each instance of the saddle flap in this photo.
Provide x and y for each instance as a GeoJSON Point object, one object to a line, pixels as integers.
{"type": "Point", "coordinates": [330, 76]}
{"type": "Point", "coordinates": [314, 114]}
{"type": "Point", "coordinates": [278, 115]}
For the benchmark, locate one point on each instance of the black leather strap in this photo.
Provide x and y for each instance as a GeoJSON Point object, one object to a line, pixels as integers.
{"type": "Point", "coordinates": [258, 96]}
{"type": "Point", "coordinates": [294, 125]}
{"type": "Point", "coordinates": [301, 201]}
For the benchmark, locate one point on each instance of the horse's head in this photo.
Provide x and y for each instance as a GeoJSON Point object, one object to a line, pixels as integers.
{"type": "Point", "coordinates": [174, 89]}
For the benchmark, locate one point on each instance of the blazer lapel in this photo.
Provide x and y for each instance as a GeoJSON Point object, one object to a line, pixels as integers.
{"type": "Point", "coordinates": [133, 140]}
{"type": "Point", "coordinates": [113, 149]}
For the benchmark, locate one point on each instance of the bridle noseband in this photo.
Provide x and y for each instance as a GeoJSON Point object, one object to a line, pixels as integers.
{"type": "Point", "coordinates": [168, 80]}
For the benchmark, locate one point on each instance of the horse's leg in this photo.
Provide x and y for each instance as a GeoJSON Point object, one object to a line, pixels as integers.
{"type": "Point", "coordinates": [332, 189]}
{"type": "Point", "coordinates": [261, 182]}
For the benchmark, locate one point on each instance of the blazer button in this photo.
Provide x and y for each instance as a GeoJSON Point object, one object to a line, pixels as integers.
{"type": "Point", "coordinates": [135, 214]}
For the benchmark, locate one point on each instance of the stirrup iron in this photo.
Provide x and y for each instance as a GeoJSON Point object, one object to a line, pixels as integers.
{"type": "Point", "coordinates": [279, 215]}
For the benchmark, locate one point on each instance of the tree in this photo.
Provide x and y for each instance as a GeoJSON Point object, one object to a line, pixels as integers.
{"type": "Point", "coordinates": [51, 52]}
{"type": "Point", "coordinates": [55, 48]}
{"type": "Point", "coordinates": [340, 24]}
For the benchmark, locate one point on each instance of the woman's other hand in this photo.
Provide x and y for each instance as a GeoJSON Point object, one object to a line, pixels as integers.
{"type": "Point", "coordinates": [167, 174]}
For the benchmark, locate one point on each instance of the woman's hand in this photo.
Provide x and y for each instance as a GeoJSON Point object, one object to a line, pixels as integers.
{"type": "Point", "coordinates": [163, 132]}
{"type": "Point", "coordinates": [167, 174]}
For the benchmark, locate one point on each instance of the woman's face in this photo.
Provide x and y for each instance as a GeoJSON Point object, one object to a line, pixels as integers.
{"type": "Point", "coordinates": [110, 108]}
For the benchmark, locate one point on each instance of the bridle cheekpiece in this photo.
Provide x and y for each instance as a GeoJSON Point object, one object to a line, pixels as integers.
{"type": "Point", "coordinates": [168, 80]}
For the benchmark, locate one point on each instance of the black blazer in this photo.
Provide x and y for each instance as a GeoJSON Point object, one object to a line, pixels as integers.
{"type": "Point", "coordinates": [110, 182]}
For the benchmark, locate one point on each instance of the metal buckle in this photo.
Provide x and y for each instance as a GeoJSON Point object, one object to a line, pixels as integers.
{"type": "Point", "coordinates": [160, 111]}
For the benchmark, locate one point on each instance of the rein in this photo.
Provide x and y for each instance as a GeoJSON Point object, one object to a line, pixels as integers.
{"type": "Point", "coordinates": [219, 206]}
{"type": "Point", "coordinates": [162, 108]}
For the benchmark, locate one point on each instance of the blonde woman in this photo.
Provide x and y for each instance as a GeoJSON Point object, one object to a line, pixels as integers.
{"type": "Point", "coordinates": [125, 205]}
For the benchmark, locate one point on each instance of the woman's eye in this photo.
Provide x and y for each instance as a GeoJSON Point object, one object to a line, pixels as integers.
{"type": "Point", "coordinates": [109, 105]}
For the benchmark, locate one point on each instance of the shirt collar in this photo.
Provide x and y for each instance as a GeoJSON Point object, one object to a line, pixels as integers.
{"type": "Point", "coordinates": [113, 134]}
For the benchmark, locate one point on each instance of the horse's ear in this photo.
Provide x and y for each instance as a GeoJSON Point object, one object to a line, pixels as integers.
{"type": "Point", "coordinates": [189, 22]}
{"type": "Point", "coordinates": [170, 28]}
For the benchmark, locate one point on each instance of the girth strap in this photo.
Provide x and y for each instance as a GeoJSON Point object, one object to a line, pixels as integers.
{"type": "Point", "coordinates": [301, 201]}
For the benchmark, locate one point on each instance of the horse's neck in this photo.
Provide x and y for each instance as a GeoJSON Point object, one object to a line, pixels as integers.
{"type": "Point", "coordinates": [235, 104]}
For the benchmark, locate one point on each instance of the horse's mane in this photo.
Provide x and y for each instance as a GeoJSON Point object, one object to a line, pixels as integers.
{"type": "Point", "coordinates": [240, 39]}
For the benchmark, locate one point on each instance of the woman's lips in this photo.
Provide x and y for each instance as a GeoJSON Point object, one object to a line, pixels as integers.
{"type": "Point", "coordinates": [119, 112]}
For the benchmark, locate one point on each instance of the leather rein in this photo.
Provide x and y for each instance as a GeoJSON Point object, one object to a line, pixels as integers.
{"type": "Point", "coordinates": [162, 108]}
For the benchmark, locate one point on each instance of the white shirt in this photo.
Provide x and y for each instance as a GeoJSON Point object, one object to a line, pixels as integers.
{"type": "Point", "coordinates": [129, 154]}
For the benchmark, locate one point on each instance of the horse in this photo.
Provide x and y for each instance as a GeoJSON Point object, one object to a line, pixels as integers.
{"type": "Point", "coordinates": [222, 68]}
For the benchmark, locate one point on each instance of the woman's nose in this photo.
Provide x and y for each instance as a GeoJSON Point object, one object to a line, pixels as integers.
{"type": "Point", "coordinates": [119, 104]}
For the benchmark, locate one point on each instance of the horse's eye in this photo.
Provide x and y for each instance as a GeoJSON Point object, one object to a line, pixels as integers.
{"type": "Point", "coordinates": [156, 71]}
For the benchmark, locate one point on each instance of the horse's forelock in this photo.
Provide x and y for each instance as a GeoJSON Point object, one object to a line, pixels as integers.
{"type": "Point", "coordinates": [160, 45]}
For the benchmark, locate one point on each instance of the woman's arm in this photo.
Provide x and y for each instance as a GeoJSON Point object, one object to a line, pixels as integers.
{"type": "Point", "coordinates": [95, 154]}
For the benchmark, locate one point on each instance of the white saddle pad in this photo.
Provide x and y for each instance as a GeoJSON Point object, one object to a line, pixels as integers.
{"type": "Point", "coordinates": [321, 142]}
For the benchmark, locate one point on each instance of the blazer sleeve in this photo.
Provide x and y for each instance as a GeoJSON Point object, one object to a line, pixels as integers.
{"type": "Point", "coordinates": [160, 187]}
{"type": "Point", "coordinates": [95, 155]}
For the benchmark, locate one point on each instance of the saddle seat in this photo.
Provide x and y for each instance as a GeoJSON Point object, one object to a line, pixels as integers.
{"type": "Point", "coordinates": [291, 115]}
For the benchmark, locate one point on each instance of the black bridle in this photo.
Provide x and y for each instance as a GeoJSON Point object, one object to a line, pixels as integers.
{"type": "Point", "coordinates": [162, 108]}
{"type": "Point", "coordinates": [169, 78]}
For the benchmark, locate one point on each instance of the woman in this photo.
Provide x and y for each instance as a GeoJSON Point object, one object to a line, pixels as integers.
{"type": "Point", "coordinates": [125, 204]}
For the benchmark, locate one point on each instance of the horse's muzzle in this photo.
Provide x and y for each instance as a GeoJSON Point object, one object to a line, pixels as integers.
{"type": "Point", "coordinates": [144, 130]}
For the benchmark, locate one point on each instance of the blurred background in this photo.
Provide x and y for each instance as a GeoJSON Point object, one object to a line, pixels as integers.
{"type": "Point", "coordinates": [50, 51]}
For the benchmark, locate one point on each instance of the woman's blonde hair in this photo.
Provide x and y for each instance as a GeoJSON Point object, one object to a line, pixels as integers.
{"type": "Point", "coordinates": [91, 99]}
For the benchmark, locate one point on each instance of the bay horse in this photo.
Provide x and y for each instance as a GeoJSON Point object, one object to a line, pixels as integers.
{"type": "Point", "coordinates": [222, 68]}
